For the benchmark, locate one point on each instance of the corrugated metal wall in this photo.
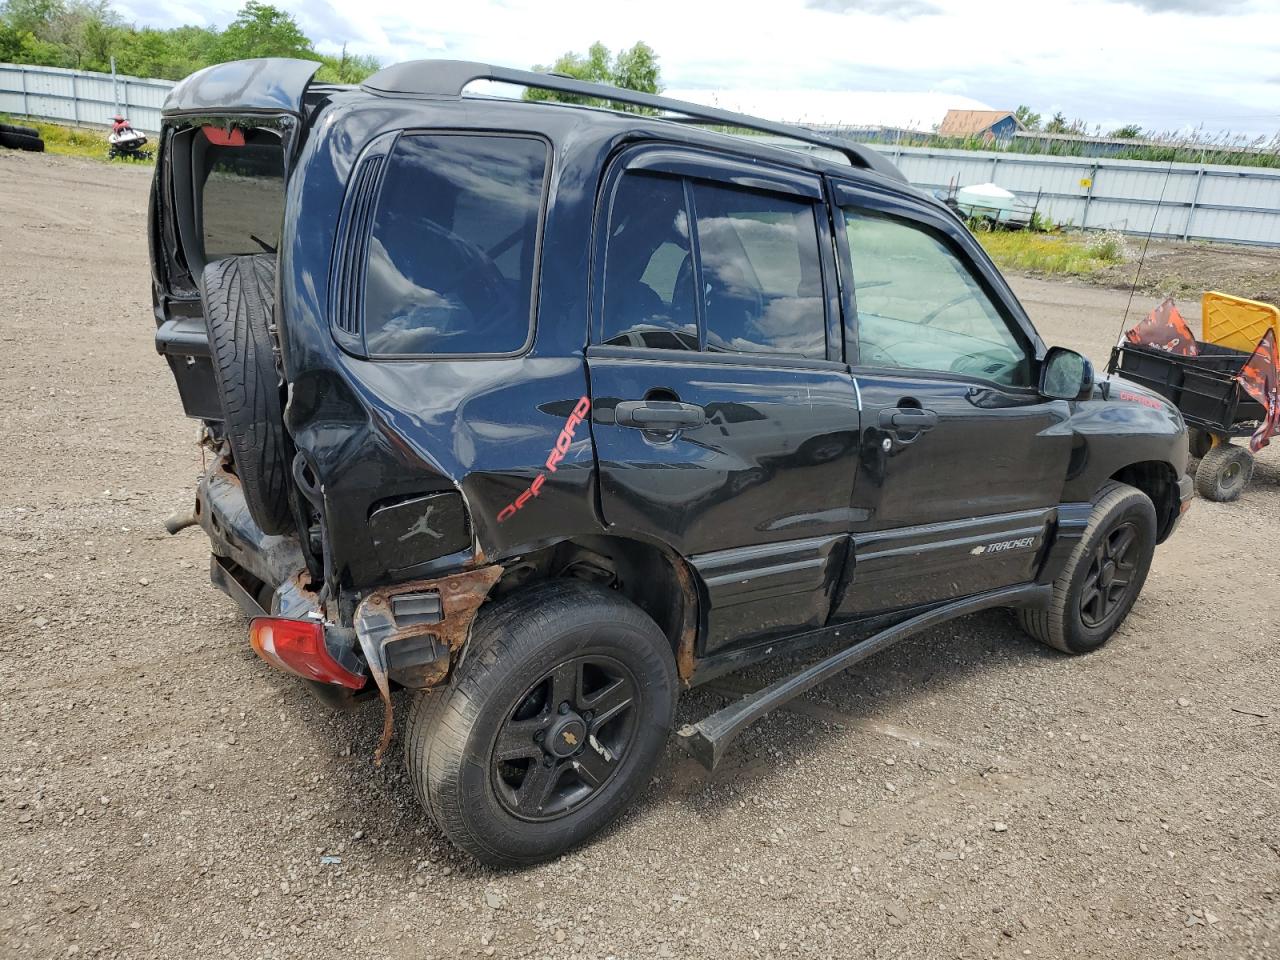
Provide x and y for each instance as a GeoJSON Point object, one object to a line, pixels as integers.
{"type": "Point", "coordinates": [1187, 201]}
{"type": "Point", "coordinates": [79, 96]}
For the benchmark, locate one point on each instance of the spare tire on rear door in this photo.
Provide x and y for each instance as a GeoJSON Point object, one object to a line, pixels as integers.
{"type": "Point", "coordinates": [239, 297]}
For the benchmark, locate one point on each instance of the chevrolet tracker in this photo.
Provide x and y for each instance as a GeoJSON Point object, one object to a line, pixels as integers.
{"type": "Point", "coordinates": [528, 416]}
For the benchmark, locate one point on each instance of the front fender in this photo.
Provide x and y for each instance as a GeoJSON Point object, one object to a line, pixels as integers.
{"type": "Point", "coordinates": [1121, 428]}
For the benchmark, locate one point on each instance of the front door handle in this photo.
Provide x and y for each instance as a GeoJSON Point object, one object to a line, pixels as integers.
{"type": "Point", "coordinates": [907, 420]}
{"type": "Point", "coordinates": [659, 414]}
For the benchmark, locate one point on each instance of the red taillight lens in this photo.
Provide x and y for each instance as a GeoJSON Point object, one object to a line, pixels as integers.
{"type": "Point", "coordinates": [297, 646]}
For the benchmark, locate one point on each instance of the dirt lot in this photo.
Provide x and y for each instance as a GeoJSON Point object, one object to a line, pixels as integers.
{"type": "Point", "coordinates": [968, 794]}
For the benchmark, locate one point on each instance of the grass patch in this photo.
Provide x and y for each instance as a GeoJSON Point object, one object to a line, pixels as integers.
{"type": "Point", "coordinates": [69, 141]}
{"type": "Point", "coordinates": [1073, 255]}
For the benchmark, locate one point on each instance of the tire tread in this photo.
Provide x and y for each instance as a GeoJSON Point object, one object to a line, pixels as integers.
{"type": "Point", "coordinates": [238, 294]}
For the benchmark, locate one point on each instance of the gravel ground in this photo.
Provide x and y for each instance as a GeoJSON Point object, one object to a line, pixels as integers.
{"type": "Point", "coordinates": [966, 794]}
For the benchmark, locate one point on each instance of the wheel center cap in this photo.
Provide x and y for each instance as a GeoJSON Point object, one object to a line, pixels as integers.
{"type": "Point", "coordinates": [1108, 573]}
{"type": "Point", "coordinates": [566, 735]}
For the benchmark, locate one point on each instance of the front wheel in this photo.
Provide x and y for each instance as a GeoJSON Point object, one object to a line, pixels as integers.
{"type": "Point", "coordinates": [551, 724]}
{"type": "Point", "coordinates": [1104, 575]}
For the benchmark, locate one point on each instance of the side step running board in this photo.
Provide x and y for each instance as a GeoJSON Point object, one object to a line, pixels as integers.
{"type": "Point", "coordinates": [708, 739]}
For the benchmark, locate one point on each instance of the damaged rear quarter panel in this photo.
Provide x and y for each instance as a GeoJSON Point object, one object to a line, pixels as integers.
{"type": "Point", "coordinates": [374, 431]}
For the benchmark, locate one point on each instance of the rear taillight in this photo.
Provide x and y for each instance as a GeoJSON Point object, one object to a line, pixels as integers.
{"type": "Point", "coordinates": [298, 646]}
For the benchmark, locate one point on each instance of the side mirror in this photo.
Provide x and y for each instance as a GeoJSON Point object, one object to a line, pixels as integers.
{"type": "Point", "coordinates": [1065, 375]}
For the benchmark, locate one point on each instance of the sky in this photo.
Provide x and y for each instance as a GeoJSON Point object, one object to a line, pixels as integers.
{"type": "Point", "coordinates": [1167, 65]}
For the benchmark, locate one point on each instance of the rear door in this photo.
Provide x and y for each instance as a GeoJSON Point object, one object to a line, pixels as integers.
{"type": "Point", "coordinates": [962, 462]}
{"type": "Point", "coordinates": [219, 191]}
{"type": "Point", "coordinates": [725, 423]}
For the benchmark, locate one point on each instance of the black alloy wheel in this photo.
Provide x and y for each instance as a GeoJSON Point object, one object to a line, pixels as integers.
{"type": "Point", "coordinates": [565, 738]}
{"type": "Point", "coordinates": [551, 723]}
{"type": "Point", "coordinates": [1110, 576]}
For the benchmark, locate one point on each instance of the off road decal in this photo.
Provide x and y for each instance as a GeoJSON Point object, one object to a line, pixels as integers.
{"type": "Point", "coordinates": [563, 442]}
{"type": "Point", "coordinates": [1002, 546]}
{"type": "Point", "coordinates": [1151, 402]}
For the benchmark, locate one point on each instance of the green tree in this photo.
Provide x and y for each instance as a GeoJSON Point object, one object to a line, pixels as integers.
{"type": "Point", "coordinates": [1058, 124]}
{"type": "Point", "coordinates": [634, 69]}
{"type": "Point", "coordinates": [347, 67]}
{"type": "Point", "coordinates": [261, 30]}
{"type": "Point", "coordinates": [1130, 131]}
{"type": "Point", "coordinates": [1027, 117]}
{"type": "Point", "coordinates": [22, 46]}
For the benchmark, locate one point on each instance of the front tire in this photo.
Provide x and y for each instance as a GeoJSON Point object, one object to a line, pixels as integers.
{"type": "Point", "coordinates": [1103, 577]}
{"type": "Point", "coordinates": [551, 724]}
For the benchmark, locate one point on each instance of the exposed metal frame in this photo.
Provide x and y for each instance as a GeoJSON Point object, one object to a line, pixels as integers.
{"type": "Point", "coordinates": [446, 80]}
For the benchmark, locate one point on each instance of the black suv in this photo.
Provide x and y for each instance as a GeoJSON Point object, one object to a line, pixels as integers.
{"type": "Point", "coordinates": [543, 412]}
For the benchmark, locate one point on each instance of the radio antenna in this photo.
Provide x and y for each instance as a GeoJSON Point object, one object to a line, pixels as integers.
{"type": "Point", "coordinates": [1142, 258]}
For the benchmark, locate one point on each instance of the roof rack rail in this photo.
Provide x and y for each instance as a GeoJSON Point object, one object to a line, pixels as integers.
{"type": "Point", "coordinates": [446, 79]}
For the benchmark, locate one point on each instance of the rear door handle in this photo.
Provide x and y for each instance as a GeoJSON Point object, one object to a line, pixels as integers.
{"type": "Point", "coordinates": [908, 420]}
{"type": "Point", "coordinates": [659, 414]}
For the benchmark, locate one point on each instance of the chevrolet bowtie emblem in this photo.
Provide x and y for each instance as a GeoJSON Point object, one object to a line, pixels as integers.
{"type": "Point", "coordinates": [570, 738]}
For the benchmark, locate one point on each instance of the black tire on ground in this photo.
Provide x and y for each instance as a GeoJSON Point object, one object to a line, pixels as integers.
{"type": "Point", "coordinates": [239, 297]}
{"type": "Point", "coordinates": [1104, 575]}
{"type": "Point", "coordinates": [18, 128]}
{"type": "Point", "coordinates": [1224, 472]}
{"type": "Point", "coordinates": [527, 803]}
{"type": "Point", "coordinates": [1199, 442]}
{"type": "Point", "coordinates": [21, 141]}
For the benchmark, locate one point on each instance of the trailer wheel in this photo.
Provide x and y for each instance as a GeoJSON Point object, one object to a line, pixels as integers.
{"type": "Point", "coordinates": [1199, 442]}
{"type": "Point", "coordinates": [551, 724]}
{"type": "Point", "coordinates": [1224, 472]}
{"type": "Point", "coordinates": [1104, 575]}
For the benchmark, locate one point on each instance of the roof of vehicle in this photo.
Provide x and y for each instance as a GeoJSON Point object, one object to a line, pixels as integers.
{"type": "Point", "coordinates": [447, 79]}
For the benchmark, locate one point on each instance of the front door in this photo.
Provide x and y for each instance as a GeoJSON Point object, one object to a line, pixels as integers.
{"type": "Point", "coordinates": [724, 423]}
{"type": "Point", "coordinates": [962, 463]}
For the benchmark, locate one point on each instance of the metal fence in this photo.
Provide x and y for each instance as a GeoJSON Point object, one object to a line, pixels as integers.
{"type": "Point", "coordinates": [1184, 200]}
{"type": "Point", "coordinates": [80, 96]}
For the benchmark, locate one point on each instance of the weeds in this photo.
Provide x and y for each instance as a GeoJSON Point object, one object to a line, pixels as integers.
{"type": "Point", "coordinates": [1070, 255]}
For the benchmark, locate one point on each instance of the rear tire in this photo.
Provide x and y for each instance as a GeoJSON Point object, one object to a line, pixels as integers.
{"type": "Point", "coordinates": [239, 296]}
{"type": "Point", "coordinates": [1089, 602]}
{"type": "Point", "coordinates": [1224, 472]}
{"type": "Point", "coordinates": [507, 773]}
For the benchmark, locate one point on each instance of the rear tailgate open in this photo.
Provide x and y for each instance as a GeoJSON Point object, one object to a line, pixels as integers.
{"type": "Point", "coordinates": [229, 134]}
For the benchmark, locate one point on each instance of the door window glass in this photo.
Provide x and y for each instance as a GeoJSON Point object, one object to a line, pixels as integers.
{"type": "Point", "coordinates": [242, 203]}
{"type": "Point", "coordinates": [451, 254]}
{"type": "Point", "coordinates": [920, 307]}
{"type": "Point", "coordinates": [762, 283]}
{"type": "Point", "coordinates": [648, 273]}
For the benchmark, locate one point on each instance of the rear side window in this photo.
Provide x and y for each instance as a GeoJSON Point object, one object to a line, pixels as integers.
{"type": "Point", "coordinates": [762, 283]}
{"type": "Point", "coordinates": [242, 202]}
{"type": "Point", "coordinates": [453, 246]}
{"type": "Point", "coordinates": [753, 286]}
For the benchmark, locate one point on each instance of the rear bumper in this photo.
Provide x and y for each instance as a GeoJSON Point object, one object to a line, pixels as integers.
{"type": "Point", "coordinates": [252, 567]}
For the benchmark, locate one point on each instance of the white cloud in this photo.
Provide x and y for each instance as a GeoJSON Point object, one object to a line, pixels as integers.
{"type": "Point", "coordinates": [1109, 62]}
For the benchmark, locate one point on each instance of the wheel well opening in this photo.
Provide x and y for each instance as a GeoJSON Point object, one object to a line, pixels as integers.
{"type": "Point", "coordinates": [1157, 480]}
{"type": "Point", "coordinates": [654, 579]}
